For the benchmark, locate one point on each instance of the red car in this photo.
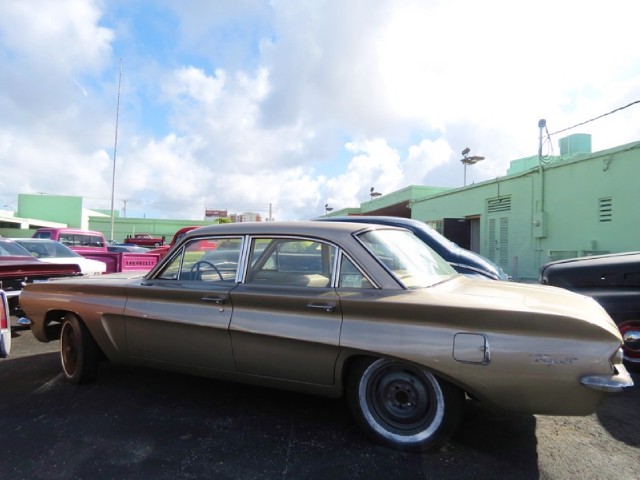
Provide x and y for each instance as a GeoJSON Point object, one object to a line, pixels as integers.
{"type": "Point", "coordinates": [18, 268]}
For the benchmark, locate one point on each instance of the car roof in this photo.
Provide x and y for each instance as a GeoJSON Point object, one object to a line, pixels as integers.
{"type": "Point", "coordinates": [305, 227]}
{"type": "Point", "coordinates": [378, 220]}
{"type": "Point", "coordinates": [31, 239]}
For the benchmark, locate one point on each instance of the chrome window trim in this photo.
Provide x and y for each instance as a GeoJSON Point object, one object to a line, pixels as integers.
{"type": "Point", "coordinates": [252, 237]}
{"type": "Point", "coordinates": [357, 235]}
{"type": "Point", "coordinates": [336, 280]}
{"type": "Point", "coordinates": [180, 252]}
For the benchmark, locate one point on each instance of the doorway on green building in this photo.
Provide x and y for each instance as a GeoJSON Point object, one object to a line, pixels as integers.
{"type": "Point", "coordinates": [474, 233]}
{"type": "Point", "coordinates": [463, 231]}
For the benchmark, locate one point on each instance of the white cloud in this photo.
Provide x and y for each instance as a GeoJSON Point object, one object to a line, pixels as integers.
{"type": "Point", "coordinates": [295, 105]}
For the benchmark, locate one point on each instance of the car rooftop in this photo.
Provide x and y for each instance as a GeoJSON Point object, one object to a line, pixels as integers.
{"type": "Point", "coordinates": [283, 227]}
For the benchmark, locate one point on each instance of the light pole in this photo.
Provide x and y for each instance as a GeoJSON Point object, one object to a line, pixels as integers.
{"type": "Point", "coordinates": [115, 149]}
{"type": "Point", "coordinates": [466, 160]}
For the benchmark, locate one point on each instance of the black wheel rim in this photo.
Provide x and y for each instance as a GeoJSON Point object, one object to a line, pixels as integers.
{"type": "Point", "coordinates": [69, 349]}
{"type": "Point", "coordinates": [401, 399]}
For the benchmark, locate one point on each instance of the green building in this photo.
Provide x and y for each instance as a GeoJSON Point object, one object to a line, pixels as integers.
{"type": "Point", "coordinates": [36, 211]}
{"type": "Point", "coordinates": [575, 204]}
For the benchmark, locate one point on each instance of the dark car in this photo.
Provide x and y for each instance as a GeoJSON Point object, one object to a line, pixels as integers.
{"type": "Point", "coordinates": [463, 261]}
{"type": "Point", "coordinates": [614, 282]}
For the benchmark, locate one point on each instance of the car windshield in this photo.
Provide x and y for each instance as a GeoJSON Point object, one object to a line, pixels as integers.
{"type": "Point", "coordinates": [412, 262]}
{"type": "Point", "coordinates": [9, 248]}
{"type": "Point", "coordinates": [47, 249]}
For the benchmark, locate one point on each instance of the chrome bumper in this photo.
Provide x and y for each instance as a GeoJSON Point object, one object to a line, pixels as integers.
{"type": "Point", "coordinates": [609, 383]}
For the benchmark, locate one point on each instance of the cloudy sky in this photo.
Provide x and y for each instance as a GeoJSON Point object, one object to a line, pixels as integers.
{"type": "Point", "coordinates": [243, 104]}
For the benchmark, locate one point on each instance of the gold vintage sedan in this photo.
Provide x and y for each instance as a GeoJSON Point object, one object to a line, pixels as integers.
{"type": "Point", "coordinates": [367, 311]}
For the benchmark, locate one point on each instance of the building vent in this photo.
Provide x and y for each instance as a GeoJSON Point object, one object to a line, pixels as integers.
{"type": "Point", "coordinates": [499, 204]}
{"type": "Point", "coordinates": [605, 210]}
{"type": "Point", "coordinates": [498, 241]}
{"type": "Point", "coordinates": [503, 258]}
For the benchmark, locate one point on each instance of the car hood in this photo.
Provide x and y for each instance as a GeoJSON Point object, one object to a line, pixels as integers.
{"type": "Point", "coordinates": [87, 265]}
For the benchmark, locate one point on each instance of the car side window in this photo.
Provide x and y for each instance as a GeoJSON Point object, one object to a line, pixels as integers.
{"type": "Point", "coordinates": [351, 277]}
{"type": "Point", "coordinates": [67, 239]}
{"type": "Point", "coordinates": [290, 262]}
{"type": "Point", "coordinates": [205, 260]}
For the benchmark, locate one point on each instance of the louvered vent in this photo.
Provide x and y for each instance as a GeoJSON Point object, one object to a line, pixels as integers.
{"type": "Point", "coordinates": [498, 241]}
{"type": "Point", "coordinates": [605, 209]}
{"type": "Point", "coordinates": [503, 259]}
{"type": "Point", "coordinates": [499, 204]}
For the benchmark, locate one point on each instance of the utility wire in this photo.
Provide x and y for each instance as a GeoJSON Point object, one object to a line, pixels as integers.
{"type": "Point", "coordinates": [596, 118]}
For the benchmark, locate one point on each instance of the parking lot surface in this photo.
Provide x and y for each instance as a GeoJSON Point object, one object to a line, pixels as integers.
{"type": "Point", "coordinates": [134, 423]}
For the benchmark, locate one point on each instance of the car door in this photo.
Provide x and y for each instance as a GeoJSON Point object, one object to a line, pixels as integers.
{"type": "Point", "coordinates": [286, 315]}
{"type": "Point", "coordinates": [181, 316]}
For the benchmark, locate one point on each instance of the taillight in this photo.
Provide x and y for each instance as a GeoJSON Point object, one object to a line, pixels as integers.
{"type": "Point", "coordinates": [4, 314]}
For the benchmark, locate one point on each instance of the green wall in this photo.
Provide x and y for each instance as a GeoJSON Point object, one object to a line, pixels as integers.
{"type": "Point", "coordinates": [567, 208]}
{"type": "Point", "coordinates": [53, 208]}
{"type": "Point", "coordinates": [129, 226]}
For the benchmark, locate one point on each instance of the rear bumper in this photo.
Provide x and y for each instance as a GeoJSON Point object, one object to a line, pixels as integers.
{"type": "Point", "coordinates": [609, 383]}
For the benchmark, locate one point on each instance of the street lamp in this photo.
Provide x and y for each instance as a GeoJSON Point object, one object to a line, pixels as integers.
{"type": "Point", "coordinates": [466, 160]}
{"type": "Point", "coordinates": [373, 194]}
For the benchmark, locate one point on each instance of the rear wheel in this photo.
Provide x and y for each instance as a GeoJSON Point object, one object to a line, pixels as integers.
{"type": "Point", "coordinates": [403, 406]}
{"type": "Point", "coordinates": [79, 353]}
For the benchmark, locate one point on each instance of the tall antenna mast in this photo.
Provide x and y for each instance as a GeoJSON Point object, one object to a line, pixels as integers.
{"type": "Point", "coordinates": [115, 150]}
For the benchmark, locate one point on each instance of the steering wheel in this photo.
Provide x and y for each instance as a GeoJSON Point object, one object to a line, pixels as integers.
{"type": "Point", "coordinates": [196, 269]}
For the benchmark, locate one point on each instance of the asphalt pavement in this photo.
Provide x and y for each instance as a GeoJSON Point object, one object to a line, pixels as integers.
{"type": "Point", "coordinates": [134, 423]}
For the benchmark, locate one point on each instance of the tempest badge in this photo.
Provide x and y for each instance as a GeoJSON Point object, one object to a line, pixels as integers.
{"type": "Point", "coordinates": [552, 359]}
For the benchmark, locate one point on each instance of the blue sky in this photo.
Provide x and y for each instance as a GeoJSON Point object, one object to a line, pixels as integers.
{"type": "Point", "coordinates": [243, 105]}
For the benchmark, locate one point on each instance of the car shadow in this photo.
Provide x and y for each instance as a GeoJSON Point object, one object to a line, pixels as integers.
{"type": "Point", "coordinates": [17, 330]}
{"type": "Point", "coordinates": [614, 417]}
{"type": "Point", "coordinates": [137, 423]}
{"type": "Point", "coordinates": [496, 440]}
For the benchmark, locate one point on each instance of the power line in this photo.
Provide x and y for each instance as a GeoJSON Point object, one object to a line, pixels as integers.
{"type": "Point", "coordinates": [595, 118]}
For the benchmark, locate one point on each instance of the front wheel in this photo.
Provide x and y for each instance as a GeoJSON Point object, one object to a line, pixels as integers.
{"type": "Point", "coordinates": [403, 406]}
{"type": "Point", "coordinates": [79, 352]}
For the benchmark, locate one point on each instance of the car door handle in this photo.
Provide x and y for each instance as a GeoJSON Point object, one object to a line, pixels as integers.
{"type": "Point", "coordinates": [327, 307]}
{"type": "Point", "coordinates": [217, 299]}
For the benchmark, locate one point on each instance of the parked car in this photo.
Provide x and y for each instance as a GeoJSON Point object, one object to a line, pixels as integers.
{"type": "Point", "coordinates": [93, 245]}
{"type": "Point", "coordinates": [334, 308]}
{"type": "Point", "coordinates": [614, 282]}
{"type": "Point", "coordinates": [50, 251]}
{"type": "Point", "coordinates": [5, 326]}
{"type": "Point", "coordinates": [463, 261]}
{"type": "Point", "coordinates": [18, 268]}
{"type": "Point", "coordinates": [144, 240]}
{"type": "Point", "coordinates": [127, 248]}
{"type": "Point", "coordinates": [76, 239]}
{"type": "Point", "coordinates": [162, 250]}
